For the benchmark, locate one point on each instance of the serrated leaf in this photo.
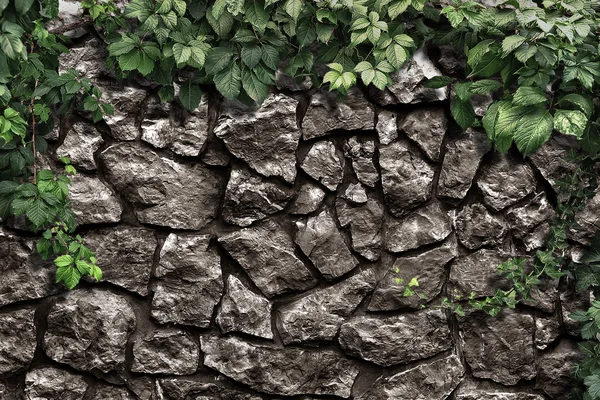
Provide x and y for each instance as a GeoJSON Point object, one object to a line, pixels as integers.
{"type": "Point", "coordinates": [256, 14]}
{"type": "Point", "coordinates": [293, 8]}
{"type": "Point", "coordinates": [146, 65]}
{"type": "Point", "coordinates": [545, 57]}
{"type": "Point", "coordinates": [533, 129]}
{"type": "Point", "coordinates": [306, 33]}
{"type": "Point", "coordinates": [525, 52]}
{"type": "Point", "coordinates": [229, 81]}
{"type": "Point", "coordinates": [438, 82]}
{"type": "Point", "coordinates": [270, 57]}
{"type": "Point", "coordinates": [96, 273]}
{"type": "Point", "coordinates": [476, 53]}
{"type": "Point", "coordinates": [190, 95]}
{"type": "Point", "coordinates": [510, 43]}
{"type": "Point", "coordinates": [256, 89]}
{"type": "Point", "coordinates": [217, 59]}
{"type": "Point", "coordinates": [398, 7]}
{"type": "Point", "coordinates": [528, 95]}
{"type": "Point", "coordinates": [69, 276]}
{"type": "Point", "coordinates": [22, 6]}
{"type": "Point", "coordinates": [396, 55]}
{"type": "Point", "coordinates": [463, 113]}
{"type": "Point", "coordinates": [485, 86]}
{"type": "Point", "coordinates": [129, 61]}
{"type": "Point", "coordinates": [63, 261]}
{"type": "Point", "coordinates": [579, 101]}
{"type": "Point", "coordinates": [251, 55]}
{"type": "Point", "coordinates": [181, 53]}
{"type": "Point", "coordinates": [570, 122]}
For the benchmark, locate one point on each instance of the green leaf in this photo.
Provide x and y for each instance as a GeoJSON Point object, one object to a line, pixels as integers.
{"type": "Point", "coordinates": [63, 261]}
{"type": "Point", "coordinates": [270, 57]}
{"type": "Point", "coordinates": [222, 25]}
{"type": "Point", "coordinates": [510, 43]}
{"type": "Point", "coordinates": [22, 6]}
{"type": "Point", "coordinates": [229, 81]}
{"type": "Point", "coordinates": [476, 54]}
{"type": "Point", "coordinates": [256, 14]}
{"type": "Point", "coordinates": [69, 276]}
{"type": "Point", "coordinates": [190, 95]}
{"type": "Point", "coordinates": [546, 57]}
{"type": "Point", "coordinates": [256, 89]}
{"type": "Point", "coordinates": [485, 86]}
{"type": "Point", "coordinates": [181, 53]}
{"type": "Point", "coordinates": [533, 129]}
{"type": "Point", "coordinates": [463, 113]}
{"type": "Point", "coordinates": [146, 64]}
{"type": "Point", "coordinates": [527, 95]}
{"type": "Point", "coordinates": [396, 55]}
{"type": "Point", "coordinates": [251, 55]}
{"type": "Point", "coordinates": [120, 48]}
{"type": "Point", "coordinates": [293, 8]}
{"type": "Point", "coordinates": [593, 256]}
{"type": "Point", "coordinates": [593, 384]}
{"type": "Point", "coordinates": [306, 33]}
{"type": "Point", "coordinates": [579, 101]}
{"type": "Point", "coordinates": [398, 7]}
{"type": "Point", "coordinates": [129, 61]}
{"type": "Point", "coordinates": [570, 122]}
{"type": "Point", "coordinates": [12, 47]}
{"type": "Point", "coordinates": [438, 82]}
{"type": "Point", "coordinates": [217, 59]}
{"type": "Point", "coordinates": [490, 64]}
{"type": "Point", "coordinates": [96, 273]}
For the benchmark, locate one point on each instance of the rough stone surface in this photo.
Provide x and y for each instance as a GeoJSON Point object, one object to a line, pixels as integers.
{"type": "Point", "coordinates": [80, 144]}
{"type": "Point", "coordinates": [361, 153]}
{"type": "Point", "coordinates": [406, 177]}
{"type": "Point", "coordinates": [189, 281]}
{"type": "Point", "coordinates": [477, 273]}
{"type": "Point", "coordinates": [525, 219]}
{"type": "Point", "coordinates": [69, 13]}
{"type": "Point", "coordinates": [387, 127]}
{"type": "Point", "coordinates": [588, 221]}
{"type": "Point", "coordinates": [323, 164]}
{"type": "Point", "coordinates": [326, 113]}
{"type": "Point", "coordinates": [572, 301]}
{"type": "Point", "coordinates": [318, 316]}
{"type": "Point", "coordinates": [427, 127]}
{"type": "Point", "coordinates": [434, 380]}
{"type": "Point", "coordinates": [266, 138]}
{"type": "Point", "coordinates": [127, 102]}
{"type": "Point", "coordinates": [250, 197]}
{"type": "Point", "coordinates": [552, 161]}
{"type": "Point", "coordinates": [461, 163]}
{"type": "Point", "coordinates": [321, 372]}
{"type": "Point", "coordinates": [167, 126]}
{"type": "Point", "coordinates": [51, 383]}
{"type": "Point", "coordinates": [554, 367]}
{"type": "Point", "coordinates": [321, 241]}
{"type": "Point", "coordinates": [365, 226]}
{"type": "Point", "coordinates": [407, 86]}
{"type": "Point", "coordinates": [495, 395]}
{"type": "Point", "coordinates": [355, 193]}
{"type": "Point", "coordinates": [88, 60]}
{"type": "Point", "coordinates": [168, 351]}
{"type": "Point", "coordinates": [309, 198]}
{"type": "Point", "coordinates": [398, 339]}
{"type": "Point", "coordinates": [24, 276]}
{"type": "Point", "coordinates": [92, 201]}
{"type": "Point", "coordinates": [125, 256]}
{"type": "Point", "coordinates": [105, 392]}
{"type": "Point", "coordinates": [428, 267]}
{"type": "Point", "coordinates": [505, 182]}
{"type": "Point", "coordinates": [500, 348]}
{"type": "Point", "coordinates": [182, 389]}
{"type": "Point", "coordinates": [547, 330]}
{"type": "Point", "coordinates": [164, 192]}
{"type": "Point", "coordinates": [17, 341]}
{"type": "Point", "coordinates": [88, 330]}
{"type": "Point", "coordinates": [266, 252]}
{"type": "Point", "coordinates": [476, 227]}
{"type": "Point", "coordinates": [426, 225]}
{"type": "Point", "coordinates": [244, 311]}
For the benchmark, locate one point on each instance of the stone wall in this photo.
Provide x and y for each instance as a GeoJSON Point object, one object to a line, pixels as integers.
{"type": "Point", "coordinates": [256, 253]}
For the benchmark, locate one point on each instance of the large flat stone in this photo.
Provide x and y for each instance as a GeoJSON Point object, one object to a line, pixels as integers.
{"type": "Point", "coordinates": [587, 220]}
{"type": "Point", "coordinates": [428, 224]}
{"type": "Point", "coordinates": [318, 315]}
{"type": "Point", "coordinates": [477, 273]}
{"type": "Point", "coordinates": [524, 220]}
{"type": "Point", "coordinates": [17, 341]}
{"type": "Point", "coordinates": [323, 164]}
{"type": "Point", "coordinates": [361, 152]}
{"type": "Point", "coordinates": [365, 226]}
{"type": "Point", "coordinates": [80, 144]}
{"type": "Point", "coordinates": [428, 267]}
{"type": "Point", "coordinates": [164, 192]}
{"type": "Point", "coordinates": [434, 380]}
{"type": "Point", "coordinates": [313, 371]}
{"type": "Point", "coordinates": [319, 238]}
{"type": "Point", "coordinates": [308, 199]}
{"type": "Point", "coordinates": [266, 138]}
{"type": "Point", "coordinates": [327, 113]}
{"type": "Point", "coordinates": [189, 281]}
{"type": "Point", "coordinates": [50, 383]}
{"type": "Point", "coordinates": [127, 101]}
{"type": "Point", "coordinates": [166, 351]}
{"type": "Point", "coordinates": [250, 197]}
{"type": "Point", "coordinates": [187, 389]}
{"type": "Point", "coordinates": [387, 126]}
{"type": "Point", "coordinates": [505, 182]}
{"type": "Point", "coordinates": [266, 252]}
{"type": "Point", "coordinates": [92, 201]}
{"type": "Point", "coordinates": [89, 330]}
{"type": "Point", "coordinates": [499, 348]}
{"type": "Point", "coordinates": [242, 310]}
{"type": "Point", "coordinates": [477, 227]}
{"type": "Point", "coordinates": [427, 127]}
{"type": "Point", "coordinates": [125, 256]}
{"type": "Point", "coordinates": [406, 177]}
{"type": "Point", "coordinates": [461, 162]}
{"type": "Point", "coordinates": [398, 339]}
{"type": "Point", "coordinates": [554, 369]}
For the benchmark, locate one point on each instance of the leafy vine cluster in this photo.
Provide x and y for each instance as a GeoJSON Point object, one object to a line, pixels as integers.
{"type": "Point", "coordinates": [538, 60]}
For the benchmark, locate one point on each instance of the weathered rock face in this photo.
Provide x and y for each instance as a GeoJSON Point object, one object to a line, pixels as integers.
{"type": "Point", "coordinates": [93, 202]}
{"type": "Point", "coordinates": [505, 182]}
{"type": "Point", "coordinates": [588, 221]}
{"type": "Point", "coordinates": [553, 369]}
{"type": "Point", "coordinates": [398, 339]}
{"type": "Point", "coordinates": [318, 316]}
{"type": "Point", "coordinates": [51, 383]}
{"type": "Point", "coordinates": [182, 389]}
{"type": "Point", "coordinates": [387, 127]}
{"type": "Point", "coordinates": [501, 348]}
{"type": "Point", "coordinates": [323, 164]}
{"type": "Point", "coordinates": [365, 226]}
{"type": "Point", "coordinates": [17, 341]}
{"type": "Point", "coordinates": [89, 330]}
{"type": "Point", "coordinates": [361, 153]}
{"type": "Point", "coordinates": [429, 269]}
{"type": "Point", "coordinates": [326, 113]}
{"type": "Point", "coordinates": [320, 240]}
{"type": "Point", "coordinates": [112, 392]}
{"type": "Point", "coordinates": [427, 127]}
{"type": "Point", "coordinates": [80, 144]}
{"type": "Point", "coordinates": [266, 138]}
{"type": "Point", "coordinates": [250, 197]}
{"type": "Point", "coordinates": [355, 193]}
{"type": "Point", "coordinates": [24, 275]}
{"type": "Point", "coordinates": [127, 102]}
{"type": "Point", "coordinates": [461, 163]}
{"type": "Point", "coordinates": [430, 381]}
{"type": "Point", "coordinates": [309, 198]}
{"type": "Point", "coordinates": [547, 330]}
{"type": "Point", "coordinates": [407, 178]}
{"type": "Point", "coordinates": [266, 253]}
{"type": "Point", "coordinates": [426, 225]}
{"type": "Point", "coordinates": [315, 371]}
{"type": "Point", "coordinates": [164, 192]}
{"type": "Point", "coordinates": [244, 311]}
{"type": "Point", "coordinates": [476, 227]}
{"type": "Point", "coordinates": [477, 273]}
{"type": "Point", "coordinates": [165, 352]}
{"type": "Point", "coordinates": [189, 281]}
{"type": "Point", "coordinates": [88, 60]}
{"type": "Point", "coordinates": [170, 127]}
{"type": "Point", "coordinates": [527, 222]}
{"type": "Point", "coordinates": [125, 256]}
{"type": "Point", "coordinates": [495, 395]}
